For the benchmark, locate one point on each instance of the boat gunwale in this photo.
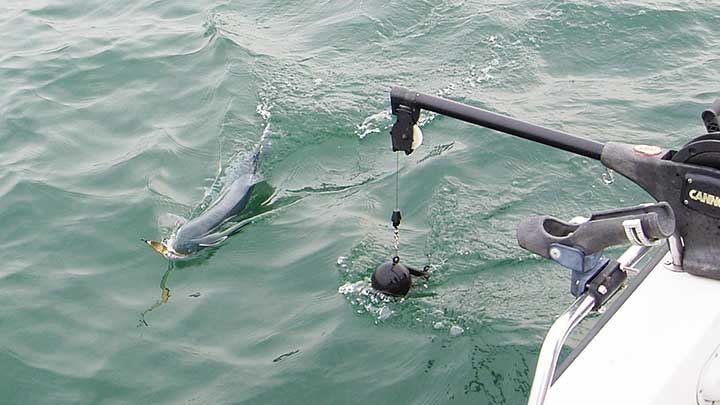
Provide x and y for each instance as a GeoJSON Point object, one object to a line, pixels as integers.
{"type": "Point", "coordinates": [612, 308]}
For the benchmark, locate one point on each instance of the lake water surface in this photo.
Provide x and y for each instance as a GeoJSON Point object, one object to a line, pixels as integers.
{"type": "Point", "coordinates": [118, 117]}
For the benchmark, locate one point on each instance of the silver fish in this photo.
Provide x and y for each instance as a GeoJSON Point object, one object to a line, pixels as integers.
{"type": "Point", "coordinates": [206, 230]}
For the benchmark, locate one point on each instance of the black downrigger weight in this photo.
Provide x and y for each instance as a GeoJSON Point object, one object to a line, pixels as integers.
{"type": "Point", "coordinates": [394, 278]}
{"type": "Point", "coordinates": [688, 179]}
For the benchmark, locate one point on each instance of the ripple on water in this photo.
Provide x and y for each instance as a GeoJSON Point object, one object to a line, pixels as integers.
{"type": "Point", "coordinates": [113, 112]}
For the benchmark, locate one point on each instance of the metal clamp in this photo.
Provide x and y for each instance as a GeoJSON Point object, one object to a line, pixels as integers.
{"type": "Point", "coordinates": [583, 266]}
{"type": "Point", "coordinates": [636, 235]}
{"type": "Point", "coordinates": [560, 330]}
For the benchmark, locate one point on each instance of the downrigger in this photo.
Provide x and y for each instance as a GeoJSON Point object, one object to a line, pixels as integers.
{"type": "Point", "coordinates": [686, 216]}
{"type": "Point", "coordinates": [686, 180]}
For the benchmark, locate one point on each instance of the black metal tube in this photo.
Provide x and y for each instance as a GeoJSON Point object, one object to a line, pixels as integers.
{"type": "Point", "coordinates": [487, 119]}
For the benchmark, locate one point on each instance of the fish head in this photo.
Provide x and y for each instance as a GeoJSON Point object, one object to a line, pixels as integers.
{"type": "Point", "coordinates": [159, 247]}
{"type": "Point", "coordinates": [167, 249]}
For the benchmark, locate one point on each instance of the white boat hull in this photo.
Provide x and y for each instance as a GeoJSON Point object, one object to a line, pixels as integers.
{"type": "Point", "coordinates": [653, 349]}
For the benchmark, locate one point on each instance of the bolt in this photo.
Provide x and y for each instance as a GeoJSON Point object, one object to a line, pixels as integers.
{"type": "Point", "coordinates": [689, 181]}
{"type": "Point", "coordinates": [685, 202]}
{"type": "Point", "coordinates": [667, 262]}
{"type": "Point", "coordinates": [602, 289]}
{"type": "Point", "coordinates": [555, 253]}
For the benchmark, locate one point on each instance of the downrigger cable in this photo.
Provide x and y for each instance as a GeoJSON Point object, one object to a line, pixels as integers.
{"type": "Point", "coordinates": [396, 216]}
{"type": "Point", "coordinates": [394, 277]}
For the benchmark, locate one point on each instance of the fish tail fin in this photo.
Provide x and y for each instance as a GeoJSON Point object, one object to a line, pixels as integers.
{"type": "Point", "coordinates": [261, 149]}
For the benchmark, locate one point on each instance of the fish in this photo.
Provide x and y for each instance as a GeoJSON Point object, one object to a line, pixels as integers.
{"type": "Point", "coordinates": [208, 229]}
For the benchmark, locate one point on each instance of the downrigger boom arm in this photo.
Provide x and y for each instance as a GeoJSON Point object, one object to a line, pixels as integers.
{"type": "Point", "coordinates": [688, 179]}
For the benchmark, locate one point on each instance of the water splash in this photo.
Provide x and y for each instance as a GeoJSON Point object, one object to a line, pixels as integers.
{"type": "Point", "coordinates": [456, 330]}
{"type": "Point", "coordinates": [421, 308]}
{"type": "Point", "coordinates": [374, 124]}
{"type": "Point", "coordinates": [263, 110]}
{"type": "Point", "coordinates": [368, 300]}
{"type": "Point", "coordinates": [382, 121]}
{"type": "Point", "coordinates": [239, 163]}
{"type": "Point", "coordinates": [169, 222]}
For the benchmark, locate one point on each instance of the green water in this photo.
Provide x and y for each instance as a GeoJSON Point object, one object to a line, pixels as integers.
{"type": "Point", "coordinates": [115, 116]}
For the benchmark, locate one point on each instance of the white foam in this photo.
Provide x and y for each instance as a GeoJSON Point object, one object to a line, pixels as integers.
{"type": "Point", "coordinates": [456, 330]}
{"type": "Point", "coordinates": [373, 124]}
{"type": "Point", "coordinates": [263, 109]}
